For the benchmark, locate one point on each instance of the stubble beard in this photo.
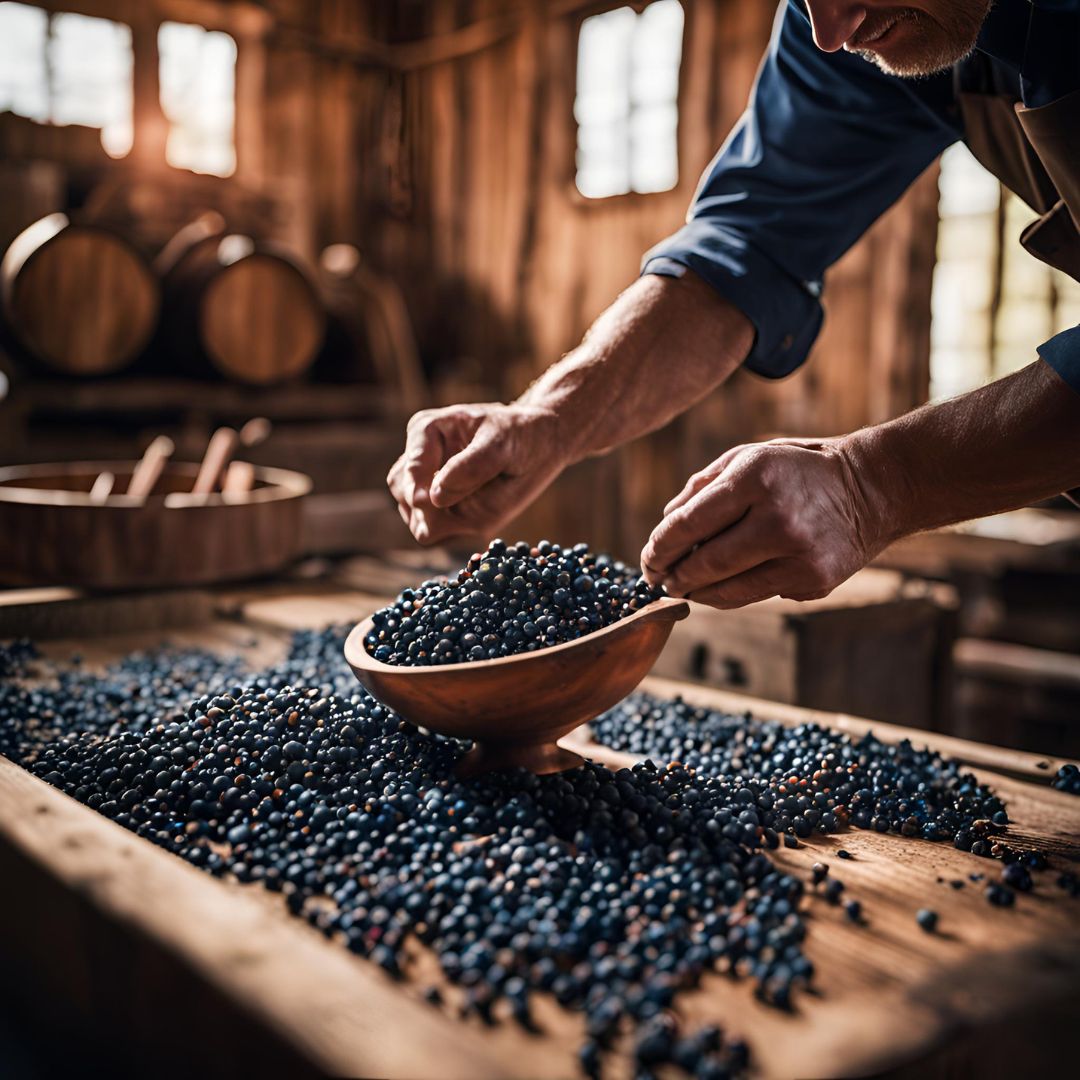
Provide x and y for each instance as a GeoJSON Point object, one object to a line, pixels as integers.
{"type": "Point", "coordinates": [937, 44]}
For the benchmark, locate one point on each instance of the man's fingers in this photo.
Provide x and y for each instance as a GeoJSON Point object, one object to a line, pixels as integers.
{"type": "Point", "coordinates": [763, 581]}
{"type": "Point", "coordinates": [700, 479]}
{"type": "Point", "coordinates": [708, 513]}
{"type": "Point", "coordinates": [692, 487]}
{"type": "Point", "coordinates": [424, 452]}
{"type": "Point", "coordinates": [746, 544]}
{"type": "Point", "coordinates": [430, 440]}
{"type": "Point", "coordinates": [468, 471]}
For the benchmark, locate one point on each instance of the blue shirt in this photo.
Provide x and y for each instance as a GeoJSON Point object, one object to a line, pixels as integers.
{"type": "Point", "coordinates": [826, 145]}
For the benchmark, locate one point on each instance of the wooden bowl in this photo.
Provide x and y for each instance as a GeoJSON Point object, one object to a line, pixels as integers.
{"type": "Point", "coordinates": [516, 707]}
{"type": "Point", "coordinates": [52, 534]}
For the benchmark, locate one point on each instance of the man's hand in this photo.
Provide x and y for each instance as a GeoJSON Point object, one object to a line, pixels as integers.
{"type": "Point", "coordinates": [470, 468]}
{"type": "Point", "coordinates": [787, 517]}
{"type": "Point", "coordinates": [796, 517]}
{"type": "Point", "coordinates": [663, 345]}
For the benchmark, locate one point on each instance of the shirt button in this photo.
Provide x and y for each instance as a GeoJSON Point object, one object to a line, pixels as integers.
{"type": "Point", "coordinates": [787, 342]}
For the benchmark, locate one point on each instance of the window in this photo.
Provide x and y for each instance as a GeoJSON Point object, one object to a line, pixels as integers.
{"type": "Point", "coordinates": [198, 76]}
{"type": "Point", "coordinates": [72, 69]}
{"type": "Point", "coordinates": [627, 100]}
{"type": "Point", "coordinates": [991, 302]}
{"type": "Point", "coordinates": [67, 69]}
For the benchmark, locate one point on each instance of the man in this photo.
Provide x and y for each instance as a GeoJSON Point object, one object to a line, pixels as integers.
{"type": "Point", "coordinates": [852, 102]}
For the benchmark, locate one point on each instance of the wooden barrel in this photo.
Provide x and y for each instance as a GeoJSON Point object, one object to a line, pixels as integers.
{"type": "Point", "coordinates": [79, 298]}
{"type": "Point", "coordinates": [246, 310]}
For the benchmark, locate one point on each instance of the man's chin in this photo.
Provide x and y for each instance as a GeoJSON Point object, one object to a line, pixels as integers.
{"type": "Point", "coordinates": [910, 64]}
{"type": "Point", "coordinates": [914, 48]}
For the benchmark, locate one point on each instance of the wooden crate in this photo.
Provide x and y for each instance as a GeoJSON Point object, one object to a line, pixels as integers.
{"type": "Point", "coordinates": [1017, 575]}
{"type": "Point", "coordinates": [121, 945]}
{"type": "Point", "coordinates": [877, 646]}
{"type": "Point", "coordinates": [1014, 695]}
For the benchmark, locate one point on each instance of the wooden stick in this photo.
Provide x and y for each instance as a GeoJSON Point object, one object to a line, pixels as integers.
{"type": "Point", "coordinates": [146, 474]}
{"type": "Point", "coordinates": [239, 478]}
{"type": "Point", "coordinates": [255, 431]}
{"type": "Point", "coordinates": [219, 450]}
{"type": "Point", "coordinates": [102, 488]}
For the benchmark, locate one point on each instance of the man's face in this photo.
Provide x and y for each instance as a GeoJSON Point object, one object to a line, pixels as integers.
{"type": "Point", "coordinates": [905, 39]}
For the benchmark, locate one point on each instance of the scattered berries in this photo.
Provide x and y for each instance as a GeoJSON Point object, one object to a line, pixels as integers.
{"type": "Point", "coordinates": [1067, 779]}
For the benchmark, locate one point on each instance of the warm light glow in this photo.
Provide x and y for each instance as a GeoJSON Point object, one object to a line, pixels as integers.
{"type": "Point", "coordinates": [91, 65]}
{"type": "Point", "coordinates": [24, 80]}
{"type": "Point", "coordinates": [197, 75]}
{"type": "Point", "coordinates": [627, 100]}
{"type": "Point", "coordinates": [991, 302]}
{"type": "Point", "coordinates": [68, 69]}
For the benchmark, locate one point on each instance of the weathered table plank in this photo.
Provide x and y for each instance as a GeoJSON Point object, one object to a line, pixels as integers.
{"type": "Point", "coordinates": [886, 991]}
{"type": "Point", "coordinates": [886, 994]}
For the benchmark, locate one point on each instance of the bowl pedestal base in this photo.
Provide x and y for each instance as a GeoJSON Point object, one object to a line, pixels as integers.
{"type": "Point", "coordinates": [540, 758]}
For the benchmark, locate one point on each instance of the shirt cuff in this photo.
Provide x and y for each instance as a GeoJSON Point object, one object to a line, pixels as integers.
{"type": "Point", "coordinates": [786, 314]}
{"type": "Point", "coordinates": [1062, 353]}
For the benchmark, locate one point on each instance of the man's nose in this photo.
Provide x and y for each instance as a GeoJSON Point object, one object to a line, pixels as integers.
{"type": "Point", "coordinates": [834, 21]}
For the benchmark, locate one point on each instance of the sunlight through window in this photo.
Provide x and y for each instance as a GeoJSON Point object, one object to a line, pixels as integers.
{"type": "Point", "coordinates": [198, 94]}
{"type": "Point", "coordinates": [991, 301]}
{"type": "Point", "coordinates": [67, 69]}
{"type": "Point", "coordinates": [627, 100]}
{"type": "Point", "coordinates": [91, 65]}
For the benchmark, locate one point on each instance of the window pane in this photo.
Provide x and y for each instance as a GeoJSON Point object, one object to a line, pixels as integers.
{"type": "Point", "coordinates": [654, 162]}
{"type": "Point", "coordinates": [627, 100]}
{"type": "Point", "coordinates": [961, 324]}
{"type": "Point", "coordinates": [990, 309]}
{"type": "Point", "coordinates": [91, 66]}
{"type": "Point", "coordinates": [1067, 309]}
{"type": "Point", "coordinates": [24, 85]}
{"type": "Point", "coordinates": [657, 51]}
{"type": "Point", "coordinates": [965, 187]}
{"type": "Point", "coordinates": [197, 76]}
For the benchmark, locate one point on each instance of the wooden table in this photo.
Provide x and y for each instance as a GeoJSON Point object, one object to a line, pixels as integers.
{"type": "Point", "coordinates": [192, 973]}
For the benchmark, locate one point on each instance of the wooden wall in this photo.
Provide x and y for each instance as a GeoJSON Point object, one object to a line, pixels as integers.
{"type": "Point", "coordinates": [507, 264]}
{"type": "Point", "coordinates": [438, 136]}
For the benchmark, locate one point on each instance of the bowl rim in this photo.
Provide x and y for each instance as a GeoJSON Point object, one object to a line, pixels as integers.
{"type": "Point", "coordinates": [662, 609]}
{"type": "Point", "coordinates": [283, 484]}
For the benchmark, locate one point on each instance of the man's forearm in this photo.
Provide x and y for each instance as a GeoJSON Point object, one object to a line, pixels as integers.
{"type": "Point", "coordinates": [660, 348]}
{"type": "Point", "coordinates": [1003, 446]}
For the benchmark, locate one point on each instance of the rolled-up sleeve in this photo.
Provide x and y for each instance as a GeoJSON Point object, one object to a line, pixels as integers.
{"type": "Point", "coordinates": [1062, 353]}
{"type": "Point", "coordinates": [827, 143]}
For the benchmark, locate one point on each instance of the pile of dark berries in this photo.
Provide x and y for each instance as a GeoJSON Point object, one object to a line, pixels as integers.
{"type": "Point", "coordinates": [799, 781]}
{"type": "Point", "coordinates": [129, 696]}
{"type": "Point", "coordinates": [612, 891]}
{"type": "Point", "coordinates": [810, 779]}
{"type": "Point", "coordinates": [510, 599]}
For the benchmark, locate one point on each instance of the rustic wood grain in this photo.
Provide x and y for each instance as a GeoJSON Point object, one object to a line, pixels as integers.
{"type": "Point", "coordinates": [249, 311]}
{"type": "Point", "coordinates": [83, 878]}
